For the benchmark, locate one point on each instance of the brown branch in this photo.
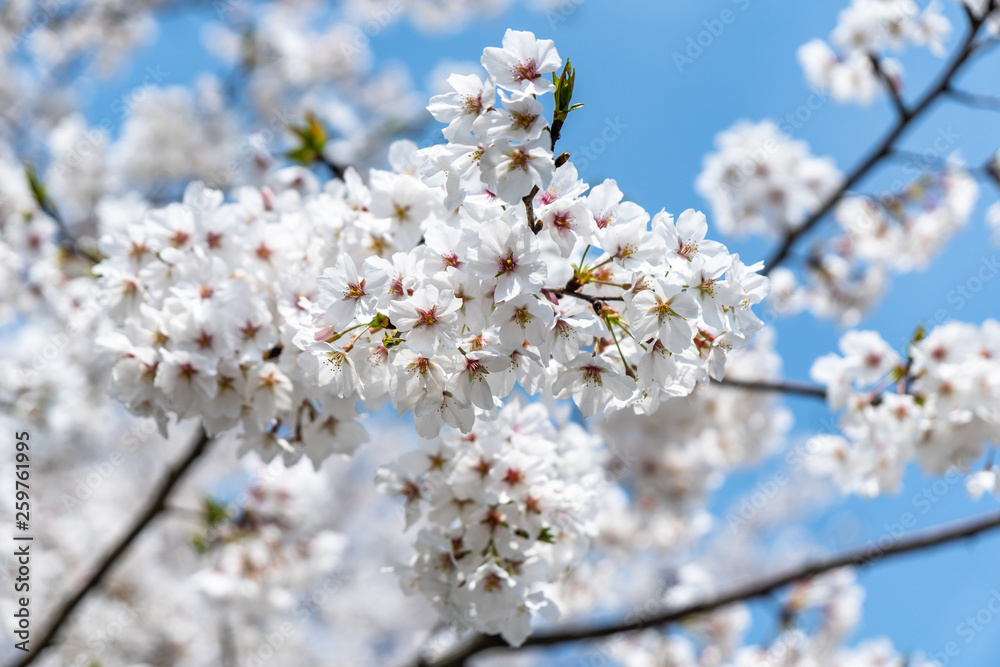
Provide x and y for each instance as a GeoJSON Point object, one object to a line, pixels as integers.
{"type": "Point", "coordinates": [529, 211]}
{"type": "Point", "coordinates": [580, 295]}
{"type": "Point", "coordinates": [777, 386]}
{"type": "Point", "coordinates": [883, 148]}
{"type": "Point", "coordinates": [762, 587]}
{"type": "Point", "coordinates": [890, 85]}
{"type": "Point", "coordinates": [153, 509]}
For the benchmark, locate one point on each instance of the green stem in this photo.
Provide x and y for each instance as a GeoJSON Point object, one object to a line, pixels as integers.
{"type": "Point", "coordinates": [628, 371]}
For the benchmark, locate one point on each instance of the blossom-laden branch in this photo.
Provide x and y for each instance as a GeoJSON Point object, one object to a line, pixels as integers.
{"type": "Point", "coordinates": [156, 506]}
{"type": "Point", "coordinates": [907, 115]}
{"type": "Point", "coordinates": [764, 586]}
{"type": "Point", "coordinates": [563, 105]}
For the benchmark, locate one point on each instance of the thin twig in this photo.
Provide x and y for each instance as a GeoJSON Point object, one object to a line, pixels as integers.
{"type": "Point", "coordinates": [580, 295]}
{"type": "Point", "coordinates": [980, 101]}
{"type": "Point", "coordinates": [890, 85]}
{"type": "Point", "coordinates": [153, 509]}
{"type": "Point", "coordinates": [529, 211]}
{"type": "Point", "coordinates": [883, 148]}
{"type": "Point", "coordinates": [776, 386]}
{"type": "Point", "coordinates": [759, 588]}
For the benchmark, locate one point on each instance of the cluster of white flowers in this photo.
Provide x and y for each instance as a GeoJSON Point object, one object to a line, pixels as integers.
{"type": "Point", "coordinates": [266, 549]}
{"type": "Point", "coordinates": [671, 460]}
{"type": "Point", "coordinates": [163, 139]}
{"type": "Point", "coordinates": [905, 230]}
{"type": "Point", "coordinates": [307, 60]}
{"type": "Point", "coordinates": [849, 69]}
{"type": "Point", "coordinates": [336, 532]}
{"type": "Point", "coordinates": [939, 406]}
{"type": "Point", "coordinates": [892, 233]}
{"type": "Point", "coordinates": [509, 509]}
{"type": "Point", "coordinates": [206, 298]}
{"type": "Point", "coordinates": [475, 296]}
{"type": "Point", "coordinates": [761, 181]}
{"type": "Point", "coordinates": [103, 30]}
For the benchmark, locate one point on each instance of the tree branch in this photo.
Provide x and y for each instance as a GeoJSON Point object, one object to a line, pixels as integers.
{"type": "Point", "coordinates": [762, 587]}
{"type": "Point", "coordinates": [890, 85]}
{"type": "Point", "coordinates": [153, 509]}
{"type": "Point", "coordinates": [883, 148]}
{"type": "Point", "coordinates": [991, 102]}
{"type": "Point", "coordinates": [580, 295]}
{"type": "Point", "coordinates": [777, 386]}
{"type": "Point", "coordinates": [529, 211]}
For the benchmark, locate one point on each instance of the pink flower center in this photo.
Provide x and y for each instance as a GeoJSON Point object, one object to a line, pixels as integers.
{"type": "Point", "coordinates": [473, 105]}
{"type": "Point", "coordinates": [526, 71]}
{"type": "Point", "coordinates": [592, 375]}
{"type": "Point", "coordinates": [249, 331]}
{"type": "Point", "coordinates": [513, 476]}
{"type": "Point", "coordinates": [519, 160]}
{"type": "Point", "coordinates": [492, 582]}
{"type": "Point", "coordinates": [355, 290]}
{"type": "Point", "coordinates": [204, 341]}
{"type": "Point", "coordinates": [507, 263]}
{"type": "Point", "coordinates": [522, 121]}
{"type": "Point", "coordinates": [179, 238]}
{"type": "Point", "coordinates": [563, 220]}
{"type": "Point", "coordinates": [475, 369]}
{"type": "Point", "coordinates": [426, 318]}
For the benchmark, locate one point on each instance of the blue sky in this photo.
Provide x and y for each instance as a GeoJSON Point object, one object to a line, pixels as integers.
{"type": "Point", "coordinates": [668, 115]}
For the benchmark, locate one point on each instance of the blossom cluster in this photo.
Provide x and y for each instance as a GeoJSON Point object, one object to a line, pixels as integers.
{"type": "Point", "coordinates": [938, 406]}
{"type": "Point", "coordinates": [452, 294]}
{"type": "Point", "coordinates": [205, 296]}
{"type": "Point", "coordinates": [761, 181]}
{"type": "Point", "coordinates": [904, 230]}
{"type": "Point", "coordinates": [671, 460]}
{"type": "Point", "coordinates": [508, 509]}
{"type": "Point", "coordinates": [438, 293]}
{"type": "Point", "coordinates": [891, 233]}
{"type": "Point", "coordinates": [266, 549]}
{"type": "Point", "coordinates": [851, 69]}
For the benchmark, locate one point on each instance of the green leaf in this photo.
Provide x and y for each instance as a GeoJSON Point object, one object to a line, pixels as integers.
{"type": "Point", "coordinates": [214, 512]}
{"type": "Point", "coordinates": [313, 139]}
{"type": "Point", "coordinates": [546, 536]}
{"type": "Point", "coordinates": [200, 544]}
{"type": "Point", "coordinates": [36, 185]}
